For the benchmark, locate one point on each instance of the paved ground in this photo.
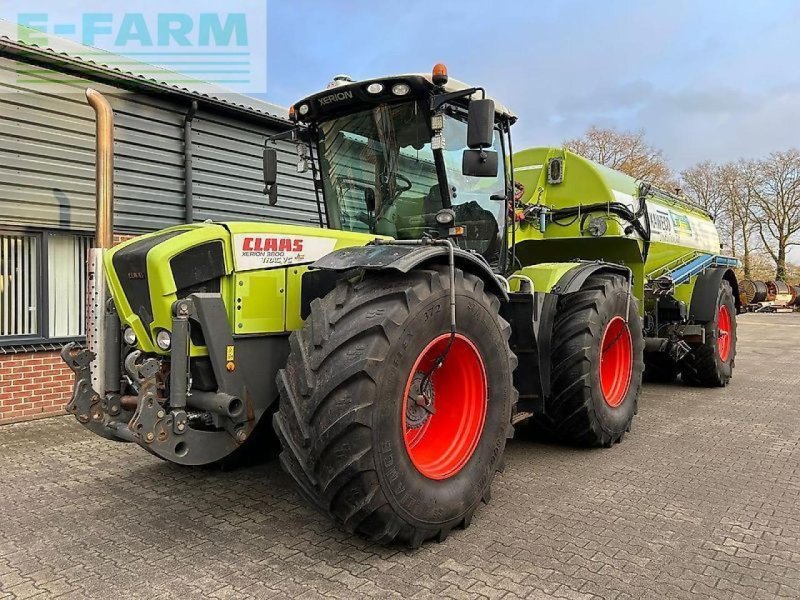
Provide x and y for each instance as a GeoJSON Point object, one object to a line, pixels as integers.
{"type": "Point", "coordinates": [702, 499]}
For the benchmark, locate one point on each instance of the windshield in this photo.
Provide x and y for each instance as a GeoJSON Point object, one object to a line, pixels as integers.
{"type": "Point", "coordinates": [379, 176]}
{"type": "Point", "coordinates": [385, 151]}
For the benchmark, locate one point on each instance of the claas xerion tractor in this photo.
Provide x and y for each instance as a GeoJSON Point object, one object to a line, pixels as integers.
{"type": "Point", "coordinates": [457, 289]}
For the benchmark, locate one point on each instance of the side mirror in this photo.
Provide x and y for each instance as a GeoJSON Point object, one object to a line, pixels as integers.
{"type": "Point", "coordinates": [272, 194]}
{"type": "Point", "coordinates": [479, 163]}
{"type": "Point", "coordinates": [480, 124]}
{"type": "Point", "coordinates": [270, 172]}
{"type": "Point", "coordinates": [369, 199]}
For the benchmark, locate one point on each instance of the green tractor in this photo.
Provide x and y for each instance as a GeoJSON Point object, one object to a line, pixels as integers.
{"type": "Point", "coordinates": [458, 289]}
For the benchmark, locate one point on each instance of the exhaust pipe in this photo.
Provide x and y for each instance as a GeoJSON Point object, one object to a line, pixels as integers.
{"type": "Point", "coordinates": [104, 178]}
{"type": "Point", "coordinates": [96, 289]}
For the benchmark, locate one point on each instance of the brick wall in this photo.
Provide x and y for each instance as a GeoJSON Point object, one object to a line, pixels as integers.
{"type": "Point", "coordinates": [35, 384]}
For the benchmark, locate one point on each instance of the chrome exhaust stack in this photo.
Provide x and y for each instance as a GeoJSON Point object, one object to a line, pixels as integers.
{"type": "Point", "coordinates": [96, 288]}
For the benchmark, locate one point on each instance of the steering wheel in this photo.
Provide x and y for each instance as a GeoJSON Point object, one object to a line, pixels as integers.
{"type": "Point", "coordinates": [406, 181]}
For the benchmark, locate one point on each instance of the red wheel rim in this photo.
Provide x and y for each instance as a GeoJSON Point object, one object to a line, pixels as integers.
{"type": "Point", "coordinates": [442, 426]}
{"type": "Point", "coordinates": [724, 333]}
{"type": "Point", "coordinates": [616, 361]}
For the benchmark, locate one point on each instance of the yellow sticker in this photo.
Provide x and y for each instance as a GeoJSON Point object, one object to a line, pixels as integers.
{"type": "Point", "coordinates": [229, 353]}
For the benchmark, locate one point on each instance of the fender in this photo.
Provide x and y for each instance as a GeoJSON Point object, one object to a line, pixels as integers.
{"type": "Point", "coordinates": [402, 258]}
{"type": "Point", "coordinates": [570, 282]}
{"type": "Point", "coordinates": [704, 296]}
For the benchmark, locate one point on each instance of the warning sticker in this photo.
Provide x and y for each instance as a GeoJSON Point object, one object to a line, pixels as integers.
{"type": "Point", "coordinates": [264, 251]}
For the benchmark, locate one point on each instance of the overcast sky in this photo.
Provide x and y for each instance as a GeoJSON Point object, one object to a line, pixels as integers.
{"type": "Point", "coordinates": [705, 80]}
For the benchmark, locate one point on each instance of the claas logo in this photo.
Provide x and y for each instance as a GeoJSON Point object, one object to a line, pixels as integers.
{"type": "Point", "coordinates": [272, 244]}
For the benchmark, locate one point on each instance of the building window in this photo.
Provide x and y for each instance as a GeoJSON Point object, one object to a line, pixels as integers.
{"type": "Point", "coordinates": [42, 286]}
{"type": "Point", "coordinates": [19, 286]}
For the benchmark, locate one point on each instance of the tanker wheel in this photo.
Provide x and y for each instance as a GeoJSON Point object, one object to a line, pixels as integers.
{"type": "Point", "coordinates": [711, 364]}
{"type": "Point", "coordinates": [378, 440]}
{"type": "Point", "coordinates": [597, 360]}
{"type": "Point", "coordinates": [660, 368]}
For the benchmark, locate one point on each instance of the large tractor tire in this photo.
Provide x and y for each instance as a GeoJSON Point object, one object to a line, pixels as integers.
{"type": "Point", "coordinates": [711, 364]}
{"type": "Point", "coordinates": [374, 438]}
{"type": "Point", "coordinates": [597, 364]}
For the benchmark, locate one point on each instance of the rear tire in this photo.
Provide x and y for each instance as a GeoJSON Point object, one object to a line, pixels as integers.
{"type": "Point", "coordinates": [597, 364]}
{"type": "Point", "coordinates": [350, 439]}
{"type": "Point", "coordinates": [711, 364]}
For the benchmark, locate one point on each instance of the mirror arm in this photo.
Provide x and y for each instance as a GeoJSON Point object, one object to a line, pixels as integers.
{"type": "Point", "coordinates": [441, 99]}
{"type": "Point", "coordinates": [292, 134]}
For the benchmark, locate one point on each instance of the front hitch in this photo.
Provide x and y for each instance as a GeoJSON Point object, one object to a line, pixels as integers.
{"type": "Point", "coordinates": [189, 426]}
{"type": "Point", "coordinates": [99, 415]}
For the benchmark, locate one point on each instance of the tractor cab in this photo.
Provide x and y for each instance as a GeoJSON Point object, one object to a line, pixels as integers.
{"type": "Point", "coordinates": [389, 155]}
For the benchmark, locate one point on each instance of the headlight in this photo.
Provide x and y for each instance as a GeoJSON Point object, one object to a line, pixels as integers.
{"type": "Point", "coordinates": [303, 110]}
{"type": "Point", "coordinates": [445, 217]}
{"type": "Point", "coordinates": [163, 339]}
{"type": "Point", "coordinates": [129, 336]}
{"type": "Point", "coordinates": [375, 88]}
{"type": "Point", "coordinates": [400, 89]}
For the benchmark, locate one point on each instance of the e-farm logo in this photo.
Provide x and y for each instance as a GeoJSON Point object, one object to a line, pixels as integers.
{"type": "Point", "coordinates": [182, 42]}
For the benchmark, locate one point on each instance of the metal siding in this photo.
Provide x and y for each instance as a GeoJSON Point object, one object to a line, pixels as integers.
{"type": "Point", "coordinates": [47, 160]}
{"type": "Point", "coordinates": [228, 184]}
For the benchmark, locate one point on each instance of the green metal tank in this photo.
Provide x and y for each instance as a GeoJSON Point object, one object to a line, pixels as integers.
{"type": "Point", "coordinates": [575, 209]}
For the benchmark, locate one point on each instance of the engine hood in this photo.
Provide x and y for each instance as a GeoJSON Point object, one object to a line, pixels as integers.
{"type": "Point", "coordinates": [148, 273]}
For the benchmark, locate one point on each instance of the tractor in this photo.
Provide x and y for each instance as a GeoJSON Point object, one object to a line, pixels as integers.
{"type": "Point", "coordinates": [457, 291]}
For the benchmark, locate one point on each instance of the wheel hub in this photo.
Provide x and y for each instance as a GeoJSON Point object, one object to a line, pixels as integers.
{"type": "Point", "coordinates": [419, 405]}
{"type": "Point", "coordinates": [445, 407]}
{"type": "Point", "coordinates": [724, 327]}
{"type": "Point", "coordinates": [616, 361]}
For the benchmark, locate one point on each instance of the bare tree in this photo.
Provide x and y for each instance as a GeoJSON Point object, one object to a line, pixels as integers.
{"type": "Point", "coordinates": [702, 183]}
{"type": "Point", "coordinates": [625, 151]}
{"type": "Point", "coordinates": [738, 182]}
{"type": "Point", "coordinates": [776, 206]}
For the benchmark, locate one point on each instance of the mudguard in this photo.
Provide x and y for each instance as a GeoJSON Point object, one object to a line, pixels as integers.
{"type": "Point", "coordinates": [574, 279]}
{"type": "Point", "coordinates": [404, 258]}
{"type": "Point", "coordinates": [703, 307]}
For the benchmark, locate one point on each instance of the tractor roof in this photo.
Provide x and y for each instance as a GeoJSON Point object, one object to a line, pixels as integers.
{"type": "Point", "coordinates": [342, 93]}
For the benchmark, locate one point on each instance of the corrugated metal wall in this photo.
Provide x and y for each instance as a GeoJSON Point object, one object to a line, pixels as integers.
{"type": "Point", "coordinates": [47, 159]}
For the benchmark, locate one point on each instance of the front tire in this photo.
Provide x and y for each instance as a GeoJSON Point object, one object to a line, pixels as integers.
{"type": "Point", "coordinates": [370, 441]}
{"type": "Point", "coordinates": [597, 364]}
